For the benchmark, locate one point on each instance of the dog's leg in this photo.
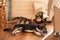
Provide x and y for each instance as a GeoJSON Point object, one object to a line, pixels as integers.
{"type": "Point", "coordinates": [37, 33]}
{"type": "Point", "coordinates": [16, 31]}
{"type": "Point", "coordinates": [28, 30]}
{"type": "Point", "coordinates": [38, 30]}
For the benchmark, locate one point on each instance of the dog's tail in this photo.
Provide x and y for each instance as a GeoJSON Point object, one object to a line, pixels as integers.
{"type": "Point", "coordinates": [7, 29]}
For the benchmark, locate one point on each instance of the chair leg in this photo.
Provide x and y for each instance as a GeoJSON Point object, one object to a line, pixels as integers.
{"type": "Point", "coordinates": [57, 34]}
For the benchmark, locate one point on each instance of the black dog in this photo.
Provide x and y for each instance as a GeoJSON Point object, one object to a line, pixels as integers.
{"type": "Point", "coordinates": [38, 30]}
{"type": "Point", "coordinates": [28, 28]}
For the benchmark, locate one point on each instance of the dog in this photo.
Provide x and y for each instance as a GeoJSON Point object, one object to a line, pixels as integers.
{"type": "Point", "coordinates": [25, 25]}
{"type": "Point", "coordinates": [33, 28]}
{"type": "Point", "coordinates": [28, 28]}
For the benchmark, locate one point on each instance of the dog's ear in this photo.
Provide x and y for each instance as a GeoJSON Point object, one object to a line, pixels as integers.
{"type": "Point", "coordinates": [39, 14]}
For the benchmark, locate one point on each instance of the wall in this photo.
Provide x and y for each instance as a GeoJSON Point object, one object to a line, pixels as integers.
{"type": "Point", "coordinates": [22, 8]}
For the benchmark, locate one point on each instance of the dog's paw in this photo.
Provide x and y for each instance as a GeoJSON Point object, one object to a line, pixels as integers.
{"type": "Point", "coordinates": [13, 33]}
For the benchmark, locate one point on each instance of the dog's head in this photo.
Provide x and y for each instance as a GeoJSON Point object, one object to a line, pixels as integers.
{"type": "Point", "coordinates": [39, 18]}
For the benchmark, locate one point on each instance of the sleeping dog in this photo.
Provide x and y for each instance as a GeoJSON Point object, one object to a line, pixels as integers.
{"type": "Point", "coordinates": [38, 30]}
